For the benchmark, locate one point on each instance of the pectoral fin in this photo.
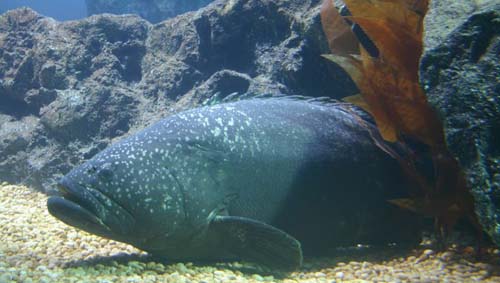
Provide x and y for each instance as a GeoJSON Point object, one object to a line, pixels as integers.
{"type": "Point", "coordinates": [259, 242]}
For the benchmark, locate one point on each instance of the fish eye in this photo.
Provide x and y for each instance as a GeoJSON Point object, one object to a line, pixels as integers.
{"type": "Point", "coordinates": [105, 174]}
{"type": "Point", "coordinates": [92, 169]}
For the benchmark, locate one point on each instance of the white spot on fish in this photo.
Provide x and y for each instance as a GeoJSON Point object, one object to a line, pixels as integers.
{"type": "Point", "coordinates": [219, 121]}
{"type": "Point", "coordinates": [216, 132]}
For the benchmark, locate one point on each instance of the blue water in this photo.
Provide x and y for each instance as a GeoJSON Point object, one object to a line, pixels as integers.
{"type": "Point", "coordinates": [61, 10]}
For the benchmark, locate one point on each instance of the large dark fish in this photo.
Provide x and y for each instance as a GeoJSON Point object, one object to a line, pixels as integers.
{"type": "Point", "coordinates": [241, 180]}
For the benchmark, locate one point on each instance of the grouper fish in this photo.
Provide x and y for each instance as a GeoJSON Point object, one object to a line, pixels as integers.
{"type": "Point", "coordinates": [260, 179]}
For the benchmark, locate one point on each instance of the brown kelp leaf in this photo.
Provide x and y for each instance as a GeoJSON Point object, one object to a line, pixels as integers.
{"type": "Point", "coordinates": [341, 39]}
{"type": "Point", "coordinates": [410, 114]}
{"type": "Point", "coordinates": [390, 92]}
{"type": "Point", "coordinates": [395, 100]}
{"type": "Point", "coordinates": [351, 64]}
{"type": "Point", "coordinates": [359, 101]}
{"type": "Point", "coordinates": [411, 204]}
{"type": "Point", "coordinates": [396, 28]}
{"type": "Point", "coordinates": [405, 14]}
{"type": "Point", "coordinates": [397, 47]}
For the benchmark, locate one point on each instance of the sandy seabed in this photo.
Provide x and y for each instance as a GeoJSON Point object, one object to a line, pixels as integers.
{"type": "Point", "coordinates": [36, 247]}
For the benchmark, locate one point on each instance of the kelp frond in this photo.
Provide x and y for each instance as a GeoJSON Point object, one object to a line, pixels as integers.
{"type": "Point", "coordinates": [389, 82]}
{"type": "Point", "coordinates": [390, 92]}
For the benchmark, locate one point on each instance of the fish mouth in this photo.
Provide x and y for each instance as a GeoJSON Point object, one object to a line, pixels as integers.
{"type": "Point", "coordinates": [75, 206]}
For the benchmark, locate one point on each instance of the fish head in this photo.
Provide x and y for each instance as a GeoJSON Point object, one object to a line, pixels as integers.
{"type": "Point", "coordinates": [120, 198]}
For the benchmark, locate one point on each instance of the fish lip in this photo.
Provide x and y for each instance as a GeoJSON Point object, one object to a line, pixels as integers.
{"type": "Point", "coordinates": [93, 204]}
{"type": "Point", "coordinates": [73, 205]}
{"type": "Point", "coordinates": [75, 215]}
{"type": "Point", "coordinates": [76, 194]}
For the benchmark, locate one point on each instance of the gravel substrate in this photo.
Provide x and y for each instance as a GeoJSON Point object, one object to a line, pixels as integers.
{"type": "Point", "coordinates": [35, 247]}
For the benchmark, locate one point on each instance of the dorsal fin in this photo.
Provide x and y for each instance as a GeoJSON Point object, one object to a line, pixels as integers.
{"type": "Point", "coordinates": [236, 96]}
{"type": "Point", "coordinates": [233, 97]}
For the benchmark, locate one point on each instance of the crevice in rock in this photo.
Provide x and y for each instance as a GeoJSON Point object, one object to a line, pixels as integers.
{"type": "Point", "coordinates": [481, 42]}
{"type": "Point", "coordinates": [130, 58]}
{"type": "Point", "coordinates": [14, 107]}
{"type": "Point", "coordinates": [494, 139]}
{"type": "Point", "coordinates": [229, 82]}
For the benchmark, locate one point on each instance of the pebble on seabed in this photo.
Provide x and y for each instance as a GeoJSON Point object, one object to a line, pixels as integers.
{"type": "Point", "coordinates": [35, 247]}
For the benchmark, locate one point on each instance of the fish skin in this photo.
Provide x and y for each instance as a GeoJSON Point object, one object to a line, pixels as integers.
{"type": "Point", "coordinates": [280, 161]}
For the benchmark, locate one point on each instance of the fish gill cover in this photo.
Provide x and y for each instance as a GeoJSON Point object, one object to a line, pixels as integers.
{"type": "Point", "coordinates": [388, 81]}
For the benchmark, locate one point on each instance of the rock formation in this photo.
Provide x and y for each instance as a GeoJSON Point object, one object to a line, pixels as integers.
{"type": "Point", "coordinates": [68, 89]}
{"type": "Point", "coordinates": [461, 76]}
{"type": "Point", "coordinates": [153, 11]}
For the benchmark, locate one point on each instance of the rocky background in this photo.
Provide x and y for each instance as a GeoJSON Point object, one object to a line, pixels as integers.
{"type": "Point", "coordinates": [151, 10]}
{"type": "Point", "coordinates": [461, 76]}
{"type": "Point", "coordinates": [69, 89]}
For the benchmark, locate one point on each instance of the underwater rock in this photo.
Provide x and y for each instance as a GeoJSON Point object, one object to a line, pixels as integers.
{"type": "Point", "coordinates": [69, 81]}
{"type": "Point", "coordinates": [444, 16]}
{"type": "Point", "coordinates": [91, 81]}
{"type": "Point", "coordinates": [15, 137]}
{"type": "Point", "coordinates": [153, 11]}
{"type": "Point", "coordinates": [461, 78]}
